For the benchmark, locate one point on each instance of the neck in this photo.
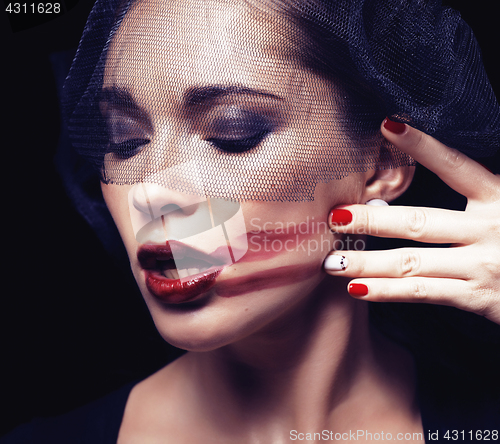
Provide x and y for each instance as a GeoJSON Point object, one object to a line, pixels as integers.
{"type": "Point", "coordinates": [309, 370]}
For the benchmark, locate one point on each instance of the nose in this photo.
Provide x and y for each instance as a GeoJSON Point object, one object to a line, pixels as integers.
{"type": "Point", "coordinates": [154, 200]}
{"type": "Point", "coordinates": [158, 213]}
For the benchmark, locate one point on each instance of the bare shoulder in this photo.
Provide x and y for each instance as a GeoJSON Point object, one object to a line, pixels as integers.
{"type": "Point", "coordinates": [152, 409]}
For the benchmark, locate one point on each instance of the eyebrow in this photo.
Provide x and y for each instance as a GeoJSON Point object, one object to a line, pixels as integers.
{"type": "Point", "coordinates": [195, 96]}
{"type": "Point", "coordinates": [117, 96]}
{"type": "Point", "coordinates": [200, 95]}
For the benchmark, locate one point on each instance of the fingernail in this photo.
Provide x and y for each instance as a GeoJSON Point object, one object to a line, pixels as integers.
{"type": "Point", "coordinates": [484, 166]}
{"type": "Point", "coordinates": [336, 262]}
{"type": "Point", "coordinates": [357, 290]}
{"type": "Point", "coordinates": [394, 127]}
{"type": "Point", "coordinates": [340, 217]}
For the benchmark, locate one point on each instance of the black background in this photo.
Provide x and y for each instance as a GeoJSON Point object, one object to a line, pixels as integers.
{"type": "Point", "coordinates": [73, 325]}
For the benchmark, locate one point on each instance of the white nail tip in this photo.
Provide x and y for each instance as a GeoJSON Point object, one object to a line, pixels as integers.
{"type": "Point", "coordinates": [336, 262]}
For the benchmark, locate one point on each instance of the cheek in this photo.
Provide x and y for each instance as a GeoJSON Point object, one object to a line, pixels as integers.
{"type": "Point", "coordinates": [298, 233]}
{"type": "Point", "coordinates": [116, 198]}
{"type": "Point", "coordinates": [283, 235]}
{"type": "Point", "coordinates": [346, 191]}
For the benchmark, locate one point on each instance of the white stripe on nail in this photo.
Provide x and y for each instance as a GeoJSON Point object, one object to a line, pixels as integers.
{"type": "Point", "coordinates": [336, 262]}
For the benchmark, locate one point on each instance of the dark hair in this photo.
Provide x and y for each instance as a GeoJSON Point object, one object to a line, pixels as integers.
{"type": "Point", "coordinates": [416, 62]}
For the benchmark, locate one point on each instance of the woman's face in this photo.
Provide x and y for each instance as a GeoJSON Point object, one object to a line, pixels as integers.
{"type": "Point", "coordinates": [217, 77]}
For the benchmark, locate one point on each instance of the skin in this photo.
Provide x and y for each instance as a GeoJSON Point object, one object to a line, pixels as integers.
{"type": "Point", "coordinates": [467, 275]}
{"type": "Point", "coordinates": [300, 356]}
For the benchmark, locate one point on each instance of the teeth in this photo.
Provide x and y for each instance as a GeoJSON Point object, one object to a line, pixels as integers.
{"type": "Point", "coordinates": [171, 274]}
{"type": "Point", "coordinates": [174, 273]}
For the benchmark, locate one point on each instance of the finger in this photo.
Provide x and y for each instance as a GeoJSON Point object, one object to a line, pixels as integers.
{"type": "Point", "coordinates": [418, 223]}
{"type": "Point", "coordinates": [403, 262]}
{"type": "Point", "coordinates": [453, 292]}
{"type": "Point", "coordinates": [461, 173]}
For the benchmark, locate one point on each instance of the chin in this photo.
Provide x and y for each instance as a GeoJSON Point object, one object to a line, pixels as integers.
{"type": "Point", "coordinates": [214, 322]}
{"type": "Point", "coordinates": [202, 335]}
{"type": "Point", "coordinates": [198, 343]}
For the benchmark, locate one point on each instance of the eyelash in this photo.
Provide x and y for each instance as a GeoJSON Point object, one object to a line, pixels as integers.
{"type": "Point", "coordinates": [252, 130]}
{"type": "Point", "coordinates": [239, 145]}
{"type": "Point", "coordinates": [128, 148]}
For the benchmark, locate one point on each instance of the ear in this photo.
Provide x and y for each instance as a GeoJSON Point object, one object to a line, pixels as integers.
{"type": "Point", "coordinates": [387, 184]}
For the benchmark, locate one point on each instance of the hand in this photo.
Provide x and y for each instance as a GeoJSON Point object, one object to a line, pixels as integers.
{"type": "Point", "coordinates": [466, 275]}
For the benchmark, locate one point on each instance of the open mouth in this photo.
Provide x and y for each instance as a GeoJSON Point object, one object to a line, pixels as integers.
{"type": "Point", "coordinates": [177, 273]}
{"type": "Point", "coordinates": [183, 268]}
{"type": "Point", "coordinates": [175, 260]}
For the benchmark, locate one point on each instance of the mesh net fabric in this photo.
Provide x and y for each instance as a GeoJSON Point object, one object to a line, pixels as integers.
{"type": "Point", "coordinates": [171, 92]}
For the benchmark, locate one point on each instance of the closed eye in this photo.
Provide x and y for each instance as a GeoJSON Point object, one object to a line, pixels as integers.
{"type": "Point", "coordinates": [239, 145]}
{"type": "Point", "coordinates": [236, 130]}
{"type": "Point", "coordinates": [127, 124]}
{"type": "Point", "coordinates": [128, 148]}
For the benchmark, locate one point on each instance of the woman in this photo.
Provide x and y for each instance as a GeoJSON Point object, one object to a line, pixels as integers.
{"type": "Point", "coordinates": [193, 125]}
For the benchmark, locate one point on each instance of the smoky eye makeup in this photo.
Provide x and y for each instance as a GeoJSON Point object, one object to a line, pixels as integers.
{"type": "Point", "coordinates": [234, 129]}
{"type": "Point", "coordinates": [125, 134]}
{"type": "Point", "coordinates": [128, 148]}
{"type": "Point", "coordinates": [231, 122]}
{"type": "Point", "coordinates": [127, 126]}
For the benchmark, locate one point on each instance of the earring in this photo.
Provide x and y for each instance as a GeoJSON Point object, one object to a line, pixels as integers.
{"type": "Point", "coordinates": [377, 203]}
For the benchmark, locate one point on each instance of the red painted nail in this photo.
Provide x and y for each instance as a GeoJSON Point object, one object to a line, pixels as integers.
{"type": "Point", "coordinates": [394, 127]}
{"type": "Point", "coordinates": [340, 217]}
{"type": "Point", "coordinates": [358, 289]}
{"type": "Point", "coordinates": [484, 166]}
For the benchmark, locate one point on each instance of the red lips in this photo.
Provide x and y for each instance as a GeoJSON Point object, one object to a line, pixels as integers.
{"type": "Point", "coordinates": [157, 260]}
